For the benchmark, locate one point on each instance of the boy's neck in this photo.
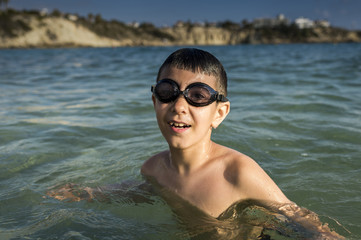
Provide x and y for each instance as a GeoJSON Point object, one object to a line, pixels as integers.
{"type": "Point", "coordinates": [186, 161]}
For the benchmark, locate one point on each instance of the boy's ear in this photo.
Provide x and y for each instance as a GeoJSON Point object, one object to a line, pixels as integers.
{"type": "Point", "coordinates": [153, 99]}
{"type": "Point", "coordinates": [221, 113]}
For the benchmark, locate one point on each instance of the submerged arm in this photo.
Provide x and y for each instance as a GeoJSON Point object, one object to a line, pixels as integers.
{"type": "Point", "coordinates": [135, 191]}
{"type": "Point", "coordinates": [258, 185]}
{"type": "Point", "coordinates": [309, 220]}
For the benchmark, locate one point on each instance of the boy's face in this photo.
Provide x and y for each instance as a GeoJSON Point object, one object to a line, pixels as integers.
{"type": "Point", "coordinates": [182, 124]}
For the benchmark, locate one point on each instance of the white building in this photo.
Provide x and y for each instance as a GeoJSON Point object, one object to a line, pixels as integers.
{"type": "Point", "coordinates": [271, 22]}
{"type": "Point", "coordinates": [72, 17]}
{"type": "Point", "coordinates": [44, 12]}
{"type": "Point", "coordinates": [302, 23]}
{"type": "Point", "coordinates": [322, 23]}
{"type": "Point", "coordinates": [134, 24]}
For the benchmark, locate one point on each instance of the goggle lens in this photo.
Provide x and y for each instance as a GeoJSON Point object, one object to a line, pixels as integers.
{"type": "Point", "coordinates": [196, 94]}
{"type": "Point", "coordinates": [166, 92]}
{"type": "Point", "coordinates": [199, 95]}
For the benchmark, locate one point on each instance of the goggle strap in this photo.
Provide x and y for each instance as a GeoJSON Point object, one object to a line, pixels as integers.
{"type": "Point", "coordinates": [221, 98]}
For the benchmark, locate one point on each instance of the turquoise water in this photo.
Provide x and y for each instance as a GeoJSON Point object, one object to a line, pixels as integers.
{"type": "Point", "coordinates": [85, 116]}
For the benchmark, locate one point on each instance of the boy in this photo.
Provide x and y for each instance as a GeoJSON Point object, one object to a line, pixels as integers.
{"type": "Point", "coordinates": [189, 100]}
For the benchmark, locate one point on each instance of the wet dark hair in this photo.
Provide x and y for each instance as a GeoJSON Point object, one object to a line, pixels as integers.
{"type": "Point", "coordinates": [196, 60]}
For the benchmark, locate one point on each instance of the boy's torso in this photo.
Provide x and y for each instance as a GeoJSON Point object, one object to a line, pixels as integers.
{"type": "Point", "coordinates": [212, 188]}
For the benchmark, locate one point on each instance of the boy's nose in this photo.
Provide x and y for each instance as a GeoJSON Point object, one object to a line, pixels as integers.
{"type": "Point", "coordinates": [180, 105]}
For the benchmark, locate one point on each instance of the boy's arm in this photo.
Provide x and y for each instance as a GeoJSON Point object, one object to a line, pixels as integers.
{"type": "Point", "coordinates": [72, 192]}
{"type": "Point", "coordinates": [130, 189]}
{"type": "Point", "coordinates": [254, 183]}
{"type": "Point", "coordinates": [309, 220]}
{"type": "Point", "coordinates": [136, 191]}
{"type": "Point", "coordinates": [258, 185]}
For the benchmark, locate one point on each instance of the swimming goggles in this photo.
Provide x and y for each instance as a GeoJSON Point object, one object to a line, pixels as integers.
{"type": "Point", "coordinates": [196, 94]}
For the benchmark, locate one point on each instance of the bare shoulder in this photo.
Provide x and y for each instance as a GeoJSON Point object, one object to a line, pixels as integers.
{"type": "Point", "coordinates": [233, 158]}
{"type": "Point", "coordinates": [237, 164]}
{"type": "Point", "coordinates": [246, 175]}
{"type": "Point", "coordinates": [150, 166]}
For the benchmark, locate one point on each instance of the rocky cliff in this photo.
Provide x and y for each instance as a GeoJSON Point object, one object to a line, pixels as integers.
{"type": "Point", "coordinates": [31, 29]}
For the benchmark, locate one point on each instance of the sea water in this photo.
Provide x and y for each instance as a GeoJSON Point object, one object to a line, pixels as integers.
{"type": "Point", "coordinates": [85, 116]}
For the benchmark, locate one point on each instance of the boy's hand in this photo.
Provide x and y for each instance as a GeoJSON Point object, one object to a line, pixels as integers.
{"type": "Point", "coordinates": [72, 193]}
{"type": "Point", "coordinates": [309, 220]}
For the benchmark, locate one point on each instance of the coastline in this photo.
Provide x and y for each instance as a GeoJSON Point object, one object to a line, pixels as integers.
{"type": "Point", "coordinates": [33, 30]}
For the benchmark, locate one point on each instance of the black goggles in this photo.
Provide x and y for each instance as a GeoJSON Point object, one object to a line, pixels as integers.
{"type": "Point", "coordinates": [196, 94]}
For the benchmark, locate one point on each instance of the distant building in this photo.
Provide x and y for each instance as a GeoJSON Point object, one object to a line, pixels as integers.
{"type": "Point", "coordinates": [199, 24]}
{"type": "Point", "coordinates": [44, 12]}
{"type": "Point", "coordinates": [322, 23]}
{"type": "Point", "coordinates": [134, 24]}
{"type": "Point", "coordinates": [271, 22]}
{"type": "Point", "coordinates": [179, 24]}
{"type": "Point", "coordinates": [72, 17]}
{"type": "Point", "coordinates": [302, 23]}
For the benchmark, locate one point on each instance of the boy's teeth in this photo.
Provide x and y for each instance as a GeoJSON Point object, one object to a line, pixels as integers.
{"type": "Point", "coordinates": [180, 125]}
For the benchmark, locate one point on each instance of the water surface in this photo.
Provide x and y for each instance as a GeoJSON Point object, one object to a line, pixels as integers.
{"type": "Point", "coordinates": [85, 116]}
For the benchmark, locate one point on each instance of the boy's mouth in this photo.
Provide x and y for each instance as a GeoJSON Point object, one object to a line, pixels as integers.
{"type": "Point", "coordinates": [179, 125]}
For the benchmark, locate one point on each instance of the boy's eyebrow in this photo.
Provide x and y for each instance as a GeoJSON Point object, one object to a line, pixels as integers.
{"type": "Point", "coordinates": [165, 78]}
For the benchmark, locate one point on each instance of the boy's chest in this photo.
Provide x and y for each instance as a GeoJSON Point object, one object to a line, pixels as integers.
{"type": "Point", "coordinates": [211, 193]}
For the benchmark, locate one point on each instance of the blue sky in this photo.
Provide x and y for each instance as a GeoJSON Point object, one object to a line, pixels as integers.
{"type": "Point", "coordinates": [342, 13]}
